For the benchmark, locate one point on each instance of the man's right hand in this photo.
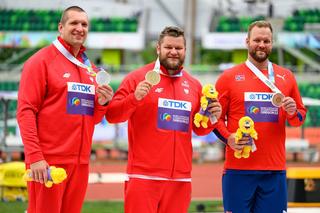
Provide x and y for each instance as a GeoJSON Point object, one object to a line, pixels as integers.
{"type": "Point", "coordinates": [142, 90]}
{"type": "Point", "coordinates": [39, 171]}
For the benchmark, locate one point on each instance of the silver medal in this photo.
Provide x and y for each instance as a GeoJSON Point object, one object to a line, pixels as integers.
{"type": "Point", "coordinates": [103, 78]}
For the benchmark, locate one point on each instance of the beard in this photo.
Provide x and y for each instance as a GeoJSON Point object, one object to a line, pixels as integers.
{"type": "Point", "coordinates": [259, 58]}
{"type": "Point", "coordinates": [170, 64]}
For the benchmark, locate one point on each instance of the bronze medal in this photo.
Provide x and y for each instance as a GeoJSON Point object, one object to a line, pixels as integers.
{"type": "Point", "coordinates": [153, 77]}
{"type": "Point", "coordinates": [277, 99]}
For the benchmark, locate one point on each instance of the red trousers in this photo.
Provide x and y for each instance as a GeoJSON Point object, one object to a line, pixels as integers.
{"type": "Point", "coordinates": [66, 197]}
{"type": "Point", "coordinates": [157, 196]}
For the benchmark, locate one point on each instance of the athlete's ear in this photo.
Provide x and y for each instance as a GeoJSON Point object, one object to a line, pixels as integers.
{"type": "Point", "coordinates": [60, 26]}
{"type": "Point", "coordinates": [247, 42]}
{"type": "Point", "coordinates": [158, 49]}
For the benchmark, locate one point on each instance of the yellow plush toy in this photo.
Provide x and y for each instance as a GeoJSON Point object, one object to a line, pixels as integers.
{"type": "Point", "coordinates": [246, 128]}
{"type": "Point", "coordinates": [208, 94]}
{"type": "Point", "coordinates": [55, 176]}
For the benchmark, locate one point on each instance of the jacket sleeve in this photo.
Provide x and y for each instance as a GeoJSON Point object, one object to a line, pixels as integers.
{"type": "Point", "coordinates": [99, 111]}
{"type": "Point", "coordinates": [32, 90]}
{"type": "Point", "coordinates": [221, 130]}
{"type": "Point", "coordinates": [200, 131]}
{"type": "Point", "coordinates": [299, 117]}
{"type": "Point", "coordinates": [123, 103]}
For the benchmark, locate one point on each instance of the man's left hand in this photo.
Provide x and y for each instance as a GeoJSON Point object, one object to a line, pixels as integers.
{"type": "Point", "coordinates": [105, 94]}
{"type": "Point", "coordinates": [215, 108]}
{"type": "Point", "coordinates": [289, 105]}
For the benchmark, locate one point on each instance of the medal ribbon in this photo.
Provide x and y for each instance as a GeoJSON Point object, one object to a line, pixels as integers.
{"type": "Point", "coordinates": [262, 77]}
{"type": "Point", "coordinates": [157, 66]}
{"type": "Point", "coordinates": [71, 58]}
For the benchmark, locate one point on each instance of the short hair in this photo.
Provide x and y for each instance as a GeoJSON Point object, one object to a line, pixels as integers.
{"type": "Point", "coordinates": [259, 24]}
{"type": "Point", "coordinates": [64, 16]}
{"type": "Point", "coordinates": [171, 31]}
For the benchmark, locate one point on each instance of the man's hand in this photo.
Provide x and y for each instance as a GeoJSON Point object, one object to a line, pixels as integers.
{"type": "Point", "coordinates": [215, 108]}
{"type": "Point", "coordinates": [105, 94]}
{"type": "Point", "coordinates": [39, 171]}
{"type": "Point", "coordinates": [142, 90]}
{"type": "Point", "coordinates": [289, 105]}
{"type": "Point", "coordinates": [237, 146]}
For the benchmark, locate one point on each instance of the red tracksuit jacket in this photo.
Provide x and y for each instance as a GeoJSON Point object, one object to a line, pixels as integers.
{"type": "Point", "coordinates": [159, 139]}
{"type": "Point", "coordinates": [242, 93]}
{"type": "Point", "coordinates": [48, 131]}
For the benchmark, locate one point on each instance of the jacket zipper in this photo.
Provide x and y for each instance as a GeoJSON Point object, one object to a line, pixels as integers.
{"type": "Point", "coordinates": [174, 135]}
{"type": "Point", "coordinates": [82, 128]}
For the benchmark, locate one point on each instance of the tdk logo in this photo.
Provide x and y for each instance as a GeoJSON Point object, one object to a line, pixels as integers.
{"type": "Point", "coordinates": [263, 96]}
{"type": "Point", "coordinates": [175, 104]}
{"type": "Point", "coordinates": [83, 88]}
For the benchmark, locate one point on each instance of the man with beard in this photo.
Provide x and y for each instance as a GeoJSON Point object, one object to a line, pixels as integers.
{"type": "Point", "coordinates": [160, 123]}
{"type": "Point", "coordinates": [269, 95]}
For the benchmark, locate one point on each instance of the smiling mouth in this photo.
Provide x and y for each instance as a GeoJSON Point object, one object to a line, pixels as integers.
{"type": "Point", "coordinates": [175, 59]}
{"type": "Point", "coordinates": [260, 51]}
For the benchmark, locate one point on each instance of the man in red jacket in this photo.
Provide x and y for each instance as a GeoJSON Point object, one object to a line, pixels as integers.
{"type": "Point", "coordinates": [269, 95]}
{"type": "Point", "coordinates": [159, 101]}
{"type": "Point", "coordinates": [59, 103]}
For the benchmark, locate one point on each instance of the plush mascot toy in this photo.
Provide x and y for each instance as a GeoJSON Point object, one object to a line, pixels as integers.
{"type": "Point", "coordinates": [208, 94]}
{"type": "Point", "coordinates": [55, 176]}
{"type": "Point", "coordinates": [246, 128]}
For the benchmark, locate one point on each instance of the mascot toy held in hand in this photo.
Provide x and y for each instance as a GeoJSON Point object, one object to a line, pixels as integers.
{"type": "Point", "coordinates": [208, 94]}
{"type": "Point", "coordinates": [246, 128]}
{"type": "Point", "coordinates": [55, 176]}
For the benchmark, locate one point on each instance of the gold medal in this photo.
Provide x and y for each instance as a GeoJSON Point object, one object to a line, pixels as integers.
{"type": "Point", "coordinates": [153, 77]}
{"type": "Point", "coordinates": [277, 99]}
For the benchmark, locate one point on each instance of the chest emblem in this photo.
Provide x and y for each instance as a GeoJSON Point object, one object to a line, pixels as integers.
{"type": "Point", "coordinates": [281, 76]}
{"type": "Point", "coordinates": [158, 90]}
{"type": "Point", "coordinates": [185, 84]}
{"type": "Point", "coordinates": [239, 77]}
{"type": "Point", "coordinates": [66, 75]}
